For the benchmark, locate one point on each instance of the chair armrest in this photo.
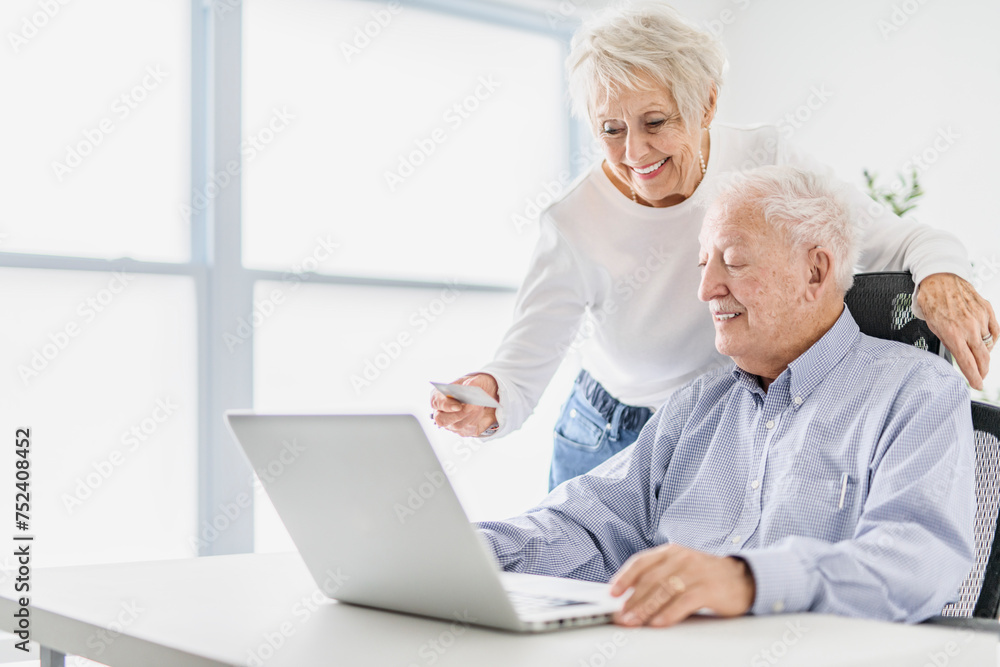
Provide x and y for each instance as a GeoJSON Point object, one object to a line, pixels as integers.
{"type": "Point", "coordinates": [977, 624]}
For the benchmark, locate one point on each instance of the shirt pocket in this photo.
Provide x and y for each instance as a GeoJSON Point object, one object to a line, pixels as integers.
{"type": "Point", "coordinates": [822, 506]}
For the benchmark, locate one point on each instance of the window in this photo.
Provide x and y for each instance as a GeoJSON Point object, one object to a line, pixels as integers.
{"type": "Point", "coordinates": [398, 169]}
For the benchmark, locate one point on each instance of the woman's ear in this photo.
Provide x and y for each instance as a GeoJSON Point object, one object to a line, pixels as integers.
{"type": "Point", "coordinates": [709, 115]}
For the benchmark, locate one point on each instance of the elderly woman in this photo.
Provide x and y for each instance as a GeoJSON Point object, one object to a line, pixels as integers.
{"type": "Point", "coordinates": [615, 270]}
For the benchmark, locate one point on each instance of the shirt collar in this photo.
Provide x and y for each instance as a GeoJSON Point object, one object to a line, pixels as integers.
{"type": "Point", "coordinates": [809, 369]}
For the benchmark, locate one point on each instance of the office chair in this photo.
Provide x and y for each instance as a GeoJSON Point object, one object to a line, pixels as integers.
{"type": "Point", "coordinates": [881, 305]}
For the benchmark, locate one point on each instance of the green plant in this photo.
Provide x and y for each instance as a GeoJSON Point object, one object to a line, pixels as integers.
{"type": "Point", "coordinates": [902, 198]}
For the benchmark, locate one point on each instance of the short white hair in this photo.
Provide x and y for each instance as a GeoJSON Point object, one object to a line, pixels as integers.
{"type": "Point", "coordinates": [619, 47]}
{"type": "Point", "coordinates": [809, 208]}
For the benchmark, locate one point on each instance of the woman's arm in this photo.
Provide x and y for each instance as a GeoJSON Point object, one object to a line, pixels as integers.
{"type": "Point", "coordinates": [547, 315]}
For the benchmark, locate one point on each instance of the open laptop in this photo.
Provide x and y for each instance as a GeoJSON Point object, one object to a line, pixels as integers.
{"type": "Point", "coordinates": [365, 496]}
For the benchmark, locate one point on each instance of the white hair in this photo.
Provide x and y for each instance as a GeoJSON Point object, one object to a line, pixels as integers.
{"type": "Point", "coordinates": [620, 46]}
{"type": "Point", "coordinates": [811, 209]}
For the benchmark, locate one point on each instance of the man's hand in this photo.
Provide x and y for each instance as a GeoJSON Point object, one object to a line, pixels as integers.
{"type": "Point", "coordinates": [463, 419]}
{"type": "Point", "coordinates": [961, 318]}
{"type": "Point", "coordinates": [671, 582]}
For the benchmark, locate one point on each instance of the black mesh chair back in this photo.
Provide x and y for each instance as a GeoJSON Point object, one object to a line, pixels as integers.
{"type": "Point", "coordinates": [979, 595]}
{"type": "Point", "coordinates": [881, 304]}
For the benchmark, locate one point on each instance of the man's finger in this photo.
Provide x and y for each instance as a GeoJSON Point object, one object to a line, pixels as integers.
{"type": "Point", "coordinates": [650, 595]}
{"type": "Point", "coordinates": [678, 608]}
{"type": "Point", "coordinates": [636, 566]}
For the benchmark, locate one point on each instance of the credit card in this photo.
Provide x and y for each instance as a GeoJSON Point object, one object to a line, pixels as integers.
{"type": "Point", "coordinates": [467, 393]}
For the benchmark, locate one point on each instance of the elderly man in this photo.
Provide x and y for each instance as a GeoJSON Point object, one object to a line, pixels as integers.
{"type": "Point", "coordinates": [826, 471]}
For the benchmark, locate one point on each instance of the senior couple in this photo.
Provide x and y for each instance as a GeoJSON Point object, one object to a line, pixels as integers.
{"type": "Point", "coordinates": [824, 470]}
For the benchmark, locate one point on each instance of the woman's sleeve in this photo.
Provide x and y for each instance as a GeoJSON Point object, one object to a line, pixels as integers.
{"type": "Point", "coordinates": [889, 243]}
{"type": "Point", "coordinates": [550, 304]}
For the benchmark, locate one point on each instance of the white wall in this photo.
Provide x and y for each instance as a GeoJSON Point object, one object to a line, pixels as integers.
{"type": "Point", "coordinates": [898, 75]}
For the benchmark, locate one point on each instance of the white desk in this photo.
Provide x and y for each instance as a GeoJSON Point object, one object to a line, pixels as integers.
{"type": "Point", "coordinates": [211, 611]}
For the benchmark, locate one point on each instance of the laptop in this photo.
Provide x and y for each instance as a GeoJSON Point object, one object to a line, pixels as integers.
{"type": "Point", "coordinates": [365, 496]}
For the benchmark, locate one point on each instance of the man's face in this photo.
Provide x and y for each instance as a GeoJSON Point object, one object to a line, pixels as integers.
{"type": "Point", "coordinates": [754, 284]}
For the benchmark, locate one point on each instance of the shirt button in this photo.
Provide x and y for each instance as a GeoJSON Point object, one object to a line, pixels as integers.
{"type": "Point", "coordinates": [572, 413]}
{"type": "Point", "coordinates": [736, 539]}
{"type": "Point", "coordinates": [754, 484]}
{"type": "Point", "coordinates": [778, 607]}
{"type": "Point", "coordinates": [798, 400]}
{"type": "Point", "coordinates": [770, 424]}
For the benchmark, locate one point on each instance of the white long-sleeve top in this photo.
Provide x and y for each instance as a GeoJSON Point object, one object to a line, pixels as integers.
{"type": "Point", "coordinates": [619, 281]}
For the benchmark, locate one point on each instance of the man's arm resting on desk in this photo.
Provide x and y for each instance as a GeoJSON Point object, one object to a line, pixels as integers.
{"type": "Point", "coordinates": [590, 525]}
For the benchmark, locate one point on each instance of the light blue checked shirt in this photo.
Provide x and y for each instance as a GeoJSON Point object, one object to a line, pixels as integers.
{"type": "Point", "coordinates": [848, 487]}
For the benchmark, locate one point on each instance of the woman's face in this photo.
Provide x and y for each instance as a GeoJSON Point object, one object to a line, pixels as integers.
{"type": "Point", "coordinates": [647, 146]}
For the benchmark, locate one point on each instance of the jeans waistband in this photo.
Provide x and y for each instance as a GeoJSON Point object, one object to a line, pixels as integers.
{"type": "Point", "coordinates": [632, 417]}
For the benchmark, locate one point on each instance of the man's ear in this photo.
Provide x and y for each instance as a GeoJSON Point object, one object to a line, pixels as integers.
{"type": "Point", "coordinates": [820, 273]}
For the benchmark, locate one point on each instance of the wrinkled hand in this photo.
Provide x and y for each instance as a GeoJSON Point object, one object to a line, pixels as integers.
{"type": "Point", "coordinates": [671, 582]}
{"type": "Point", "coordinates": [961, 318]}
{"type": "Point", "coordinates": [466, 420]}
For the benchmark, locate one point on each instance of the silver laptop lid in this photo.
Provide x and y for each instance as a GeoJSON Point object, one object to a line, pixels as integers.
{"type": "Point", "coordinates": [354, 492]}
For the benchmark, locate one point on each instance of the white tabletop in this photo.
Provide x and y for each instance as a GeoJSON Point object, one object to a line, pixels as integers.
{"type": "Point", "coordinates": [232, 609]}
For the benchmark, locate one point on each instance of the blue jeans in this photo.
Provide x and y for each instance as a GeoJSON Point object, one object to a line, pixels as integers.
{"type": "Point", "coordinates": [583, 438]}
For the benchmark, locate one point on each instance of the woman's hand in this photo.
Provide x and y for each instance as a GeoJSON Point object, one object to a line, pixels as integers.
{"type": "Point", "coordinates": [962, 319]}
{"type": "Point", "coordinates": [466, 420]}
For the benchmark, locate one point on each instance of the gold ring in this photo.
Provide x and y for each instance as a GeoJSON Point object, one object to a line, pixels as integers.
{"type": "Point", "coordinates": [677, 584]}
{"type": "Point", "coordinates": [988, 340]}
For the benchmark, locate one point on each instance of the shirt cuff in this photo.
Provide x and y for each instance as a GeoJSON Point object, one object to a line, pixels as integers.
{"type": "Point", "coordinates": [781, 581]}
{"type": "Point", "coordinates": [501, 415]}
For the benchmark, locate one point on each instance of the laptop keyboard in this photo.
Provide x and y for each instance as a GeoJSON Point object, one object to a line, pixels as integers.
{"type": "Point", "coordinates": [530, 602]}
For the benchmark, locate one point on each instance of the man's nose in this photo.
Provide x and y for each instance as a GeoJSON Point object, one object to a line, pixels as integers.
{"type": "Point", "coordinates": [712, 285]}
